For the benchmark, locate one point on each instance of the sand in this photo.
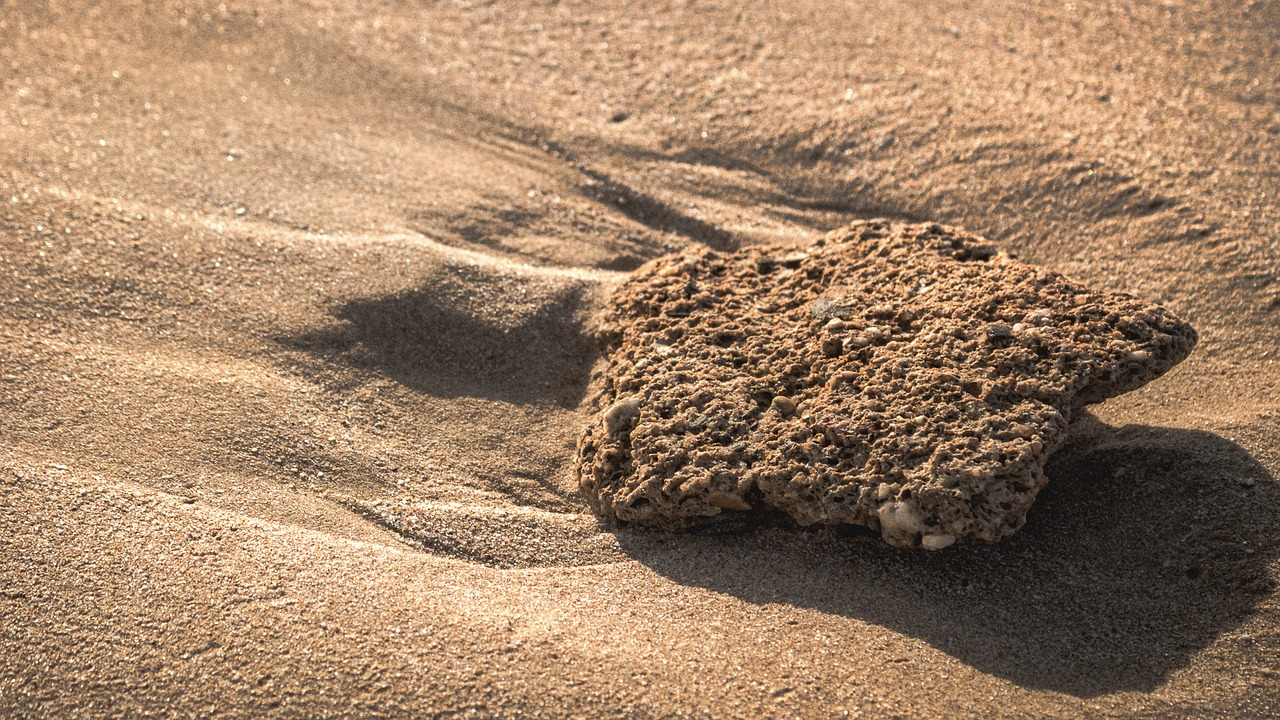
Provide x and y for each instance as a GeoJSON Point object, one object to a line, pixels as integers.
{"type": "Point", "coordinates": [295, 332]}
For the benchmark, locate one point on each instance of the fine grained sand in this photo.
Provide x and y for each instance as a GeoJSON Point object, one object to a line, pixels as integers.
{"type": "Point", "coordinates": [295, 316]}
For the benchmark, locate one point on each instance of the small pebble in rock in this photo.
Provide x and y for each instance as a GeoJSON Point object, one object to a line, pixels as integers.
{"type": "Point", "coordinates": [783, 404]}
{"type": "Point", "coordinates": [620, 414]}
{"type": "Point", "coordinates": [937, 541]}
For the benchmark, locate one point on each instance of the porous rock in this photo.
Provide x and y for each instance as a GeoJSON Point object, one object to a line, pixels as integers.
{"type": "Point", "coordinates": [905, 377]}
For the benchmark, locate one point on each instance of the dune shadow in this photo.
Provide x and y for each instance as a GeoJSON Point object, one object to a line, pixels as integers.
{"type": "Point", "coordinates": [427, 341]}
{"type": "Point", "coordinates": [1147, 545]}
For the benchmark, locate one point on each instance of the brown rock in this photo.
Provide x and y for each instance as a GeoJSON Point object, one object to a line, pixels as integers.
{"type": "Point", "coordinates": [908, 378]}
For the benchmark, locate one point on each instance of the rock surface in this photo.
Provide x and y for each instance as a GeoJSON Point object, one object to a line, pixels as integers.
{"type": "Point", "coordinates": [908, 378]}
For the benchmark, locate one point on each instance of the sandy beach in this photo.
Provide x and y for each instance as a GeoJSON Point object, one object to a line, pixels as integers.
{"type": "Point", "coordinates": [297, 313]}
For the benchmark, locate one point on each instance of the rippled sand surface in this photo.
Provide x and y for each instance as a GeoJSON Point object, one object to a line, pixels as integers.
{"type": "Point", "coordinates": [296, 304]}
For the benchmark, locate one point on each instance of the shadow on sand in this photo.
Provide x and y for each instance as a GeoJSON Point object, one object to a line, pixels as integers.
{"type": "Point", "coordinates": [422, 340]}
{"type": "Point", "coordinates": [1147, 544]}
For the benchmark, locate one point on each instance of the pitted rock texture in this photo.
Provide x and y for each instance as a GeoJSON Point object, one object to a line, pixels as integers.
{"type": "Point", "coordinates": [908, 378]}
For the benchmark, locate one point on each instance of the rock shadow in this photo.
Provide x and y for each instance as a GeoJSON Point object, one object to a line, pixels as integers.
{"type": "Point", "coordinates": [651, 212]}
{"type": "Point", "coordinates": [1146, 546]}
{"type": "Point", "coordinates": [430, 342]}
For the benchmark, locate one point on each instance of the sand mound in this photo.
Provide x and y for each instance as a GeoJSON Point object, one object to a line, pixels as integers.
{"type": "Point", "coordinates": [907, 378]}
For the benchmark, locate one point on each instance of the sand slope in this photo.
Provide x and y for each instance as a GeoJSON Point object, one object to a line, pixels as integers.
{"type": "Point", "coordinates": [295, 311]}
